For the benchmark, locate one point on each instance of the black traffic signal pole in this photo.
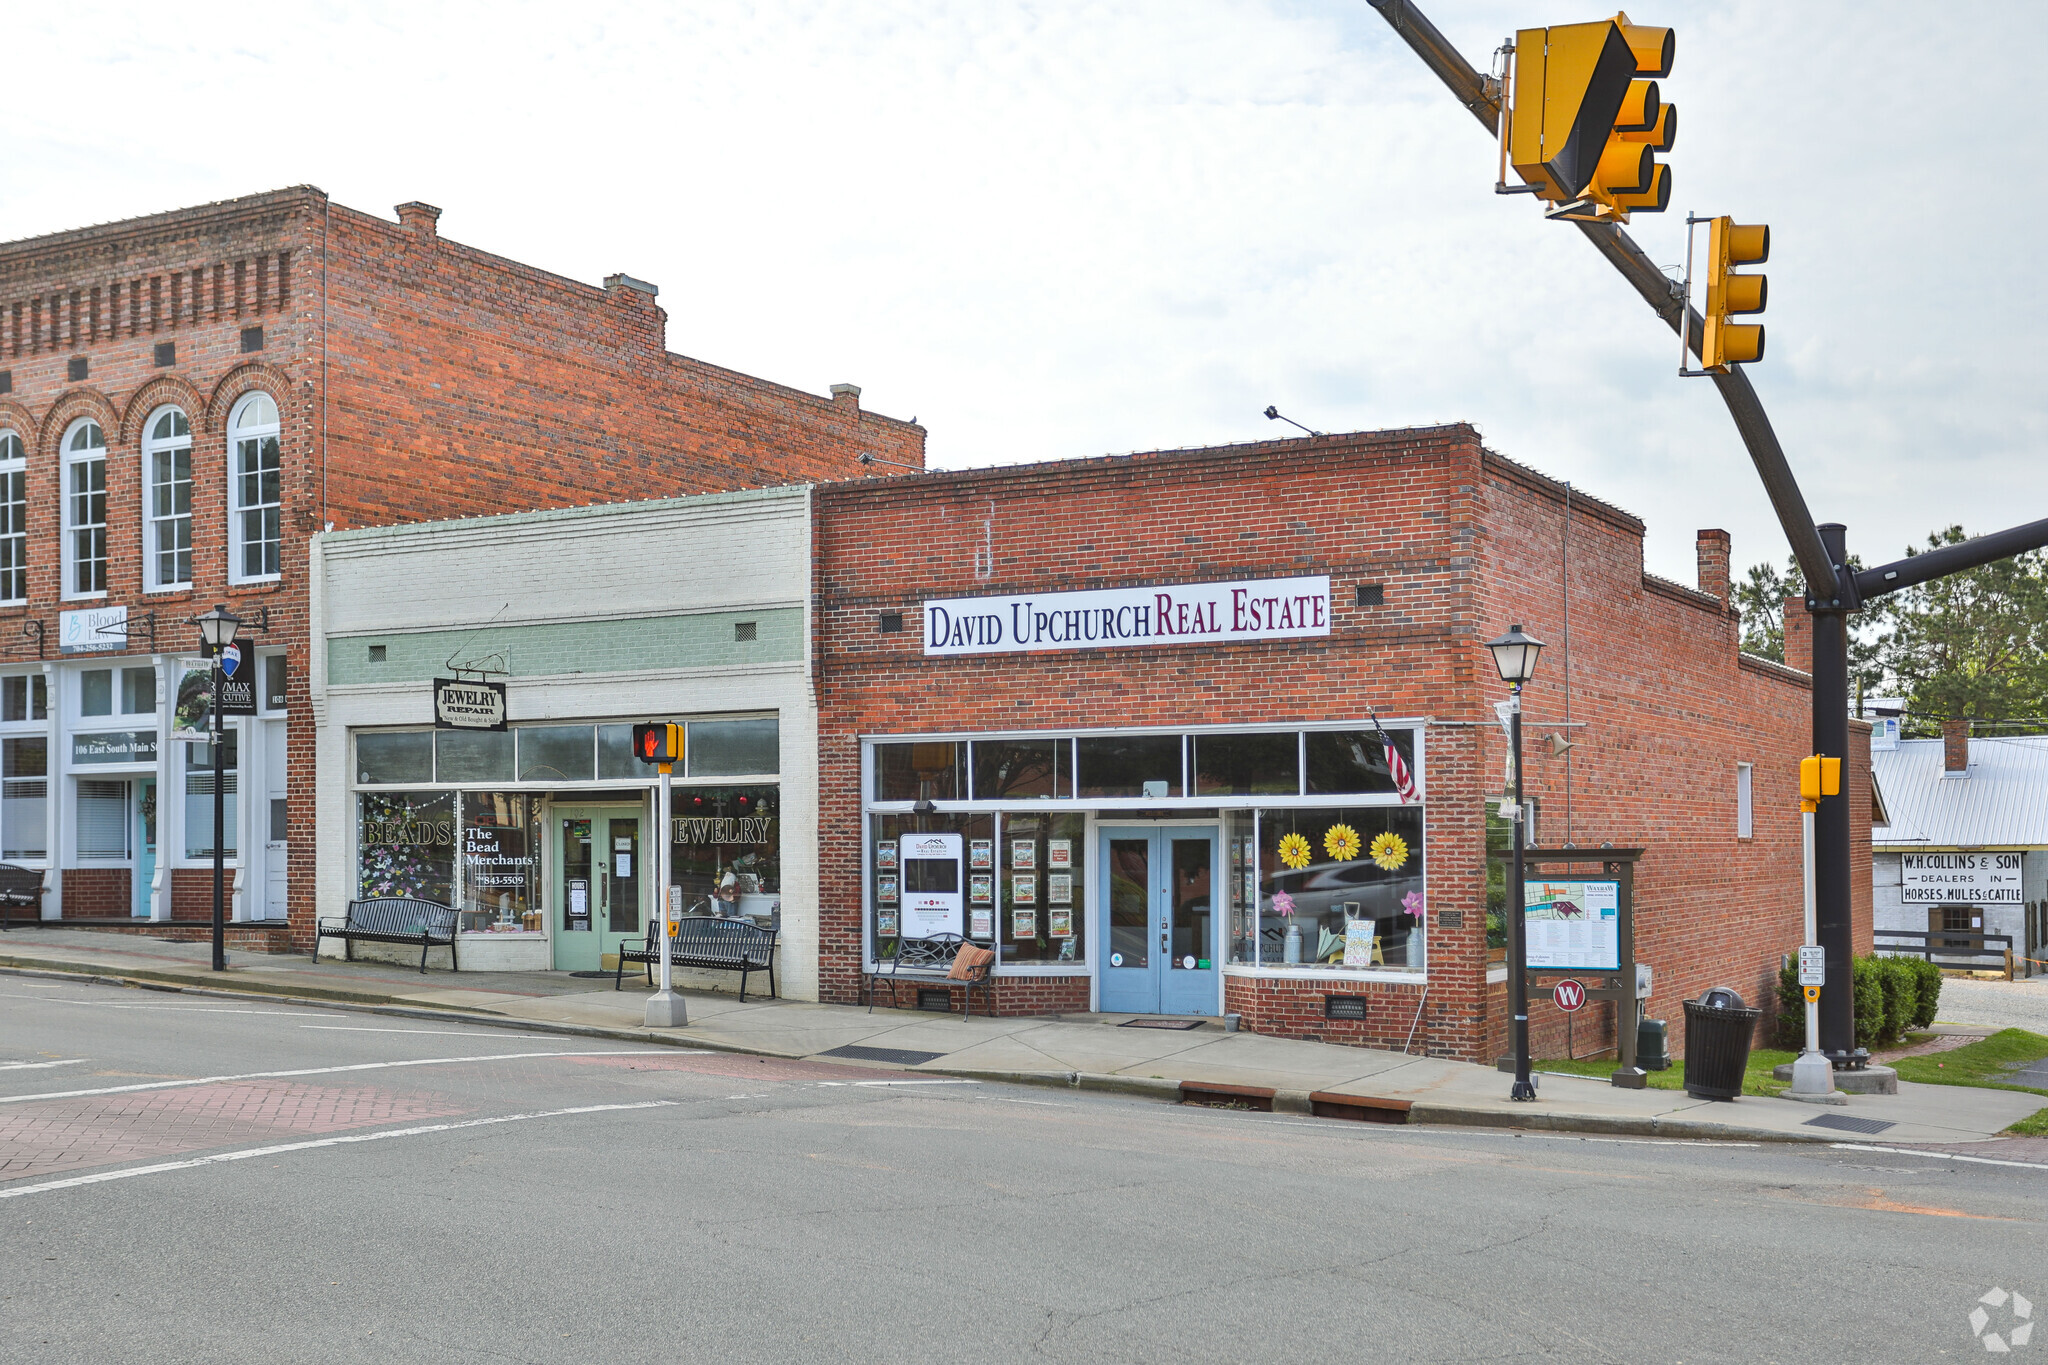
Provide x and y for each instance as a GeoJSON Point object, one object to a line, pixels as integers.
{"type": "Point", "coordinates": [1832, 591]}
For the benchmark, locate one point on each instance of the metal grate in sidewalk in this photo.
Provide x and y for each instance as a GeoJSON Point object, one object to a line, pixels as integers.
{"type": "Point", "coordinates": [854, 1052]}
{"type": "Point", "coordinates": [1846, 1124]}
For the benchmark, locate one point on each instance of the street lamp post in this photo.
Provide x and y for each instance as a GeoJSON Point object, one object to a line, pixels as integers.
{"type": "Point", "coordinates": [1514, 654]}
{"type": "Point", "coordinates": [216, 632]}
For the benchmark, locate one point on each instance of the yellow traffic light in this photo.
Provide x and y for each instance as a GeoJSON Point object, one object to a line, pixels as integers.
{"type": "Point", "coordinates": [1582, 128]}
{"type": "Point", "coordinates": [1569, 84]}
{"type": "Point", "coordinates": [1730, 244]}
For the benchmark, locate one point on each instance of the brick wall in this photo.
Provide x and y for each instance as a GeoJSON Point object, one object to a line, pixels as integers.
{"type": "Point", "coordinates": [455, 383]}
{"type": "Point", "coordinates": [1465, 543]}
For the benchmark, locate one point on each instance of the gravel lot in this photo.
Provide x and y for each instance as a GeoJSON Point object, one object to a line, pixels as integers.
{"type": "Point", "coordinates": [1998, 1004]}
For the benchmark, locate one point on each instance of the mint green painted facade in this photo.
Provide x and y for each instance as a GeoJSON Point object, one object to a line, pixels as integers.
{"type": "Point", "coordinates": [703, 640]}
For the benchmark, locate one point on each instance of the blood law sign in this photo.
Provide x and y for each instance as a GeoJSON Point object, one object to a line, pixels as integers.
{"type": "Point", "coordinates": [1568, 994]}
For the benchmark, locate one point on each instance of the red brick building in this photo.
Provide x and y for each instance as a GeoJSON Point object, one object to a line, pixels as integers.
{"type": "Point", "coordinates": [1170, 795]}
{"type": "Point", "coordinates": [186, 398]}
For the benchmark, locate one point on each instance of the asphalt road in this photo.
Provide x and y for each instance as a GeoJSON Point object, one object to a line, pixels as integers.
{"type": "Point", "coordinates": [428, 1191]}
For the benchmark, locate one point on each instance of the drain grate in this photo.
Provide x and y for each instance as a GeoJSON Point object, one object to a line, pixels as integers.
{"type": "Point", "coordinates": [1846, 1124]}
{"type": "Point", "coordinates": [854, 1052]}
{"type": "Point", "coordinates": [1161, 1023]}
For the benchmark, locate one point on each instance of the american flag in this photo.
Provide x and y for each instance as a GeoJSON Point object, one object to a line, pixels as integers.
{"type": "Point", "coordinates": [1404, 781]}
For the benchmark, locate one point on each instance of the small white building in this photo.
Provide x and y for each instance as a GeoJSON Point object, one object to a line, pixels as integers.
{"type": "Point", "coordinates": [1967, 843]}
{"type": "Point", "coordinates": [540, 829]}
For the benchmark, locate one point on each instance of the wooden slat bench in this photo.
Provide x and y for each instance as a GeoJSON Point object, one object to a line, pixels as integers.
{"type": "Point", "coordinates": [392, 919]}
{"type": "Point", "coordinates": [20, 887]}
{"type": "Point", "coordinates": [709, 943]}
{"type": "Point", "coordinates": [933, 960]}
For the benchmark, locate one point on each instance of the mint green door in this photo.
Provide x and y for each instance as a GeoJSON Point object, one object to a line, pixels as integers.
{"type": "Point", "coordinates": [599, 886]}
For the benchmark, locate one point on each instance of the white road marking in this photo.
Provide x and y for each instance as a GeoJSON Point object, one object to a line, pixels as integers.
{"type": "Point", "coordinates": [217, 1158]}
{"type": "Point", "coordinates": [422, 1032]}
{"type": "Point", "coordinates": [33, 1066]}
{"type": "Point", "coordinates": [1938, 1156]}
{"type": "Point", "coordinates": [335, 1070]}
{"type": "Point", "coordinates": [186, 1009]}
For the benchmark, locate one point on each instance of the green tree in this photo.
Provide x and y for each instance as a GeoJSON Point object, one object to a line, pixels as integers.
{"type": "Point", "coordinates": [1760, 597]}
{"type": "Point", "coordinates": [1973, 644]}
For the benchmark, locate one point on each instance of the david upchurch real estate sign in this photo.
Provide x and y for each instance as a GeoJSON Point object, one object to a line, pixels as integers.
{"type": "Point", "coordinates": [1123, 618]}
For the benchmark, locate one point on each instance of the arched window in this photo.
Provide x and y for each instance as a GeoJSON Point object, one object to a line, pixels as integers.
{"type": "Point", "coordinates": [167, 498]}
{"type": "Point", "coordinates": [255, 489]}
{"type": "Point", "coordinates": [85, 510]}
{"type": "Point", "coordinates": [13, 518]}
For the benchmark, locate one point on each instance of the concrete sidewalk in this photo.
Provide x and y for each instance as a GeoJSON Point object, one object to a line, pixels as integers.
{"type": "Point", "coordinates": [1089, 1051]}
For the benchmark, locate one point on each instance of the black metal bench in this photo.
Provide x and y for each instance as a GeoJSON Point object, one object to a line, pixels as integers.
{"type": "Point", "coordinates": [710, 943]}
{"type": "Point", "coordinates": [393, 919]}
{"type": "Point", "coordinates": [930, 960]}
{"type": "Point", "coordinates": [20, 887]}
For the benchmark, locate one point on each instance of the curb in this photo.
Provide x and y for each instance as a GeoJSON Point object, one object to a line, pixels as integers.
{"type": "Point", "coordinates": [1281, 1101]}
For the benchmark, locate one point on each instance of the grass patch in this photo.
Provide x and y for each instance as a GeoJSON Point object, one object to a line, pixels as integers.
{"type": "Point", "coordinates": [2037, 1126]}
{"type": "Point", "coordinates": [1757, 1080]}
{"type": "Point", "coordinates": [1986, 1063]}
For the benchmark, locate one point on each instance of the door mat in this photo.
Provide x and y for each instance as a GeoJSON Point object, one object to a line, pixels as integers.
{"type": "Point", "coordinates": [1847, 1124]}
{"type": "Point", "coordinates": [595, 974]}
{"type": "Point", "coordinates": [902, 1056]}
{"type": "Point", "coordinates": [1161, 1023]}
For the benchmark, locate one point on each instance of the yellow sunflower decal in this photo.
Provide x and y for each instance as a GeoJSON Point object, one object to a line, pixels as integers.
{"type": "Point", "coordinates": [1389, 851]}
{"type": "Point", "coordinates": [1294, 851]}
{"type": "Point", "coordinates": [1341, 842]}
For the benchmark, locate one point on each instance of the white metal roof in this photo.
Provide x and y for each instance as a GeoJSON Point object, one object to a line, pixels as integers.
{"type": "Point", "coordinates": [2003, 803]}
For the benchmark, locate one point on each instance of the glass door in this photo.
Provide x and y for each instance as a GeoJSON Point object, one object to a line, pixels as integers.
{"type": "Point", "coordinates": [1159, 912]}
{"type": "Point", "coordinates": [598, 900]}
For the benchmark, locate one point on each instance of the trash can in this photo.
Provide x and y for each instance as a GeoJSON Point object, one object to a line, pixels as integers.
{"type": "Point", "coordinates": [1718, 1028]}
{"type": "Point", "coordinates": [1653, 1049]}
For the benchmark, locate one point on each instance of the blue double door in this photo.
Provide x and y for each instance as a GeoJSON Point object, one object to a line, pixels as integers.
{"type": "Point", "coordinates": [1159, 894]}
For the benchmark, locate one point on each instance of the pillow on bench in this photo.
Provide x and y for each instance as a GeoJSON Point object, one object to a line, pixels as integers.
{"type": "Point", "coordinates": [968, 961]}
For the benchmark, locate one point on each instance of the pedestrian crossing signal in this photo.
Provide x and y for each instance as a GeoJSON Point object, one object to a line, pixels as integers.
{"type": "Point", "coordinates": [658, 742]}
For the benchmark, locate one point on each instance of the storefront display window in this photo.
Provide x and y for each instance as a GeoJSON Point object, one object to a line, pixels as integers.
{"type": "Point", "coordinates": [1340, 887]}
{"type": "Point", "coordinates": [500, 863]}
{"type": "Point", "coordinates": [1354, 762]}
{"type": "Point", "coordinates": [555, 753]}
{"type": "Point", "coordinates": [725, 851]}
{"type": "Point", "coordinates": [1241, 868]}
{"type": "Point", "coordinates": [385, 759]}
{"type": "Point", "coordinates": [1009, 769]}
{"type": "Point", "coordinates": [615, 758]}
{"type": "Point", "coordinates": [406, 845]}
{"type": "Point", "coordinates": [907, 772]}
{"type": "Point", "coordinates": [24, 796]}
{"type": "Point", "coordinates": [1247, 765]}
{"type": "Point", "coordinates": [199, 797]}
{"type": "Point", "coordinates": [1041, 885]}
{"type": "Point", "coordinates": [472, 756]}
{"type": "Point", "coordinates": [733, 748]}
{"type": "Point", "coordinates": [885, 874]}
{"type": "Point", "coordinates": [1110, 766]}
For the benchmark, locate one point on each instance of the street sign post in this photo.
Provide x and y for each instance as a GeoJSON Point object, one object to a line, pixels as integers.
{"type": "Point", "coordinates": [1813, 1075]}
{"type": "Point", "coordinates": [1598, 958]}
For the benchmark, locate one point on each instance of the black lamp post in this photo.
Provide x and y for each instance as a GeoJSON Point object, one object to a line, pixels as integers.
{"type": "Point", "coordinates": [216, 632]}
{"type": "Point", "coordinates": [1514, 654]}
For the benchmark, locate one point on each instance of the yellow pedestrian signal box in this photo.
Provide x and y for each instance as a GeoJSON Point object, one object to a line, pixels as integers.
{"type": "Point", "coordinates": [1582, 128]}
{"type": "Point", "coordinates": [1730, 244]}
{"type": "Point", "coordinates": [658, 742]}
{"type": "Point", "coordinates": [1819, 777]}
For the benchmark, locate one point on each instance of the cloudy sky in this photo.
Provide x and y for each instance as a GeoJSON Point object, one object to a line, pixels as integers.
{"type": "Point", "coordinates": [1062, 229]}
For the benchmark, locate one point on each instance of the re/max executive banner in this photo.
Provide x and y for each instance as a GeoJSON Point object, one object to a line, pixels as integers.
{"type": "Point", "coordinates": [1125, 618]}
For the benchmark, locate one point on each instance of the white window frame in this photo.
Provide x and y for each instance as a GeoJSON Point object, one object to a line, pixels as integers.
{"type": "Point", "coordinates": [237, 509]}
{"type": "Point", "coordinates": [13, 515]}
{"type": "Point", "coordinates": [1745, 800]}
{"type": "Point", "coordinates": [152, 446]}
{"type": "Point", "coordinates": [74, 459]}
{"type": "Point", "coordinates": [32, 727]}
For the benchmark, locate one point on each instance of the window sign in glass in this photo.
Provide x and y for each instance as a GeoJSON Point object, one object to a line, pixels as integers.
{"type": "Point", "coordinates": [1008, 768]}
{"type": "Point", "coordinates": [934, 768]}
{"type": "Point", "coordinates": [96, 692]}
{"type": "Point", "coordinates": [1349, 762]}
{"type": "Point", "coordinates": [554, 753]}
{"type": "Point", "coordinates": [1128, 765]}
{"type": "Point", "coordinates": [1041, 886]}
{"type": "Point", "coordinates": [407, 756]}
{"type": "Point", "coordinates": [405, 845]}
{"type": "Point", "coordinates": [733, 748]}
{"type": "Point", "coordinates": [24, 697]}
{"type": "Point", "coordinates": [1340, 887]}
{"type": "Point", "coordinates": [500, 866]}
{"type": "Point", "coordinates": [725, 851]}
{"type": "Point", "coordinates": [472, 755]}
{"type": "Point", "coordinates": [1247, 765]}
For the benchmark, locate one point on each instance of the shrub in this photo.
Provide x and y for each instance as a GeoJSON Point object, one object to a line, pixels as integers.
{"type": "Point", "coordinates": [1791, 1023]}
{"type": "Point", "coordinates": [1930, 990]}
{"type": "Point", "coordinates": [1869, 1002]}
{"type": "Point", "coordinates": [1901, 996]}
